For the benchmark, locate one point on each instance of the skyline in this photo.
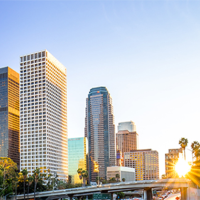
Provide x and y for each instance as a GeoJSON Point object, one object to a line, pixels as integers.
{"type": "Point", "coordinates": [149, 64]}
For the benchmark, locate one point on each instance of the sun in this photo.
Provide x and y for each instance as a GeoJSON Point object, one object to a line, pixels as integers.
{"type": "Point", "coordinates": [182, 167]}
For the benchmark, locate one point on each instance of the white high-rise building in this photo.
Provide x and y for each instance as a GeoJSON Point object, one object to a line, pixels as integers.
{"type": "Point", "coordinates": [43, 114]}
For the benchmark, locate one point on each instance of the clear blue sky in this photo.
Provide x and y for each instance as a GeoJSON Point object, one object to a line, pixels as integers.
{"type": "Point", "coordinates": [147, 53]}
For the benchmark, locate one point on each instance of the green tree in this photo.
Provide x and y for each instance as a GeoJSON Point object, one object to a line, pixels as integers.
{"type": "Point", "coordinates": [97, 179]}
{"type": "Point", "coordinates": [120, 195]}
{"type": "Point", "coordinates": [117, 177]}
{"type": "Point", "coordinates": [49, 180]}
{"type": "Point", "coordinates": [62, 185]}
{"type": "Point", "coordinates": [195, 148]}
{"type": "Point", "coordinates": [84, 174]}
{"type": "Point", "coordinates": [112, 180]}
{"type": "Point", "coordinates": [24, 173]}
{"type": "Point", "coordinates": [123, 179]}
{"type": "Point", "coordinates": [8, 175]}
{"type": "Point", "coordinates": [104, 181]}
{"type": "Point", "coordinates": [79, 171]}
{"type": "Point", "coordinates": [183, 143]}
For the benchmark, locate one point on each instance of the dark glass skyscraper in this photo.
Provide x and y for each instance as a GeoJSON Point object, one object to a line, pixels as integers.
{"type": "Point", "coordinates": [100, 131]}
{"type": "Point", "coordinates": [9, 114]}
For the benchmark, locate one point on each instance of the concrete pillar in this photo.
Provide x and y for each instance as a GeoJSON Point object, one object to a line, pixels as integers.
{"type": "Point", "coordinates": [145, 195]}
{"type": "Point", "coordinates": [148, 194]}
{"type": "Point", "coordinates": [111, 196]}
{"type": "Point", "coordinates": [183, 193]}
{"type": "Point", "coordinates": [70, 197]}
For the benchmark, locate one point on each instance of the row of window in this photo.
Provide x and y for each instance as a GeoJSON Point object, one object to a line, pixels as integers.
{"type": "Point", "coordinates": [30, 80]}
{"type": "Point", "coordinates": [32, 56]}
{"type": "Point", "coordinates": [23, 102]}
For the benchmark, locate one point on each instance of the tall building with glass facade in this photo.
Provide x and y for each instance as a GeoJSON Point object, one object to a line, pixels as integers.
{"type": "Point", "coordinates": [129, 126]}
{"type": "Point", "coordinates": [145, 162]}
{"type": "Point", "coordinates": [43, 114]}
{"type": "Point", "coordinates": [77, 158]}
{"type": "Point", "coordinates": [9, 114]}
{"type": "Point", "coordinates": [100, 131]}
{"type": "Point", "coordinates": [126, 138]}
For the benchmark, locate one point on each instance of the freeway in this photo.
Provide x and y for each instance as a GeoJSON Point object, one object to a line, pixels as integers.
{"type": "Point", "coordinates": [173, 196]}
{"type": "Point", "coordinates": [146, 185]}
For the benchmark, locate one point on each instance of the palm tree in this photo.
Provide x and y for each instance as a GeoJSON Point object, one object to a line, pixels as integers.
{"type": "Point", "coordinates": [117, 177]}
{"type": "Point", "coordinates": [195, 148]}
{"type": "Point", "coordinates": [183, 143]}
{"type": "Point", "coordinates": [84, 174]}
{"type": "Point", "coordinates": [30, 181]}
{"type": "Point", "coordinates": [36, 174]}
{"type": "Point", "coordinates": [97, 179]}
{"type": "Point", "coordinates": [79, 171]}
{"type": "Point", "coordinates": [24, 173]}
{"type": "Point", "coordinates": [123, 179]}
{"type": "Point", "coordinates": [49, 179]}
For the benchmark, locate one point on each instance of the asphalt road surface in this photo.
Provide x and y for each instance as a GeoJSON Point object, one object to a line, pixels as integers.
{"type": "Point", "coordinates": [173, 196]}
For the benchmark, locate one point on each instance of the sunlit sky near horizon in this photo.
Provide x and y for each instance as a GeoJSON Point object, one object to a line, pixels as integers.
{"type": "Point", "coordinates": [145, 52]}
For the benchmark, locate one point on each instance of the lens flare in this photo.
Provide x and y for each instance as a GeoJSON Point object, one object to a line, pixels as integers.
{"type": "Point", "coordinates": [182, 167]}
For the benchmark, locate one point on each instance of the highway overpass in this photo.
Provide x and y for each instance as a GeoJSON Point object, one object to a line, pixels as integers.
{"type": "Point", "coordinates": [147, 186]}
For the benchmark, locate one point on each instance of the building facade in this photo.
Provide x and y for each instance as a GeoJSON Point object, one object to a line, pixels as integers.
{"type": "Point", "coordinates": [127, 137]}
{"type": "Point", "coordinates": [126, 141]}
{"type": "Point", "coordinates": [126, 173]}
{"type": "Point", "coordinates": [145, 162]}
{"type": "Point", "coordinates": [119, 159]}
{"type": "Point", "coordinates": [171, 158]}
{"type": "Point", "coordinates": [9, 114]}
{"type": "Point", "coordinates": [77, 158]}
{"type": "Point", "coordinates": [100, 132]}
{"type": "Point", "coordinates": [43, 114]}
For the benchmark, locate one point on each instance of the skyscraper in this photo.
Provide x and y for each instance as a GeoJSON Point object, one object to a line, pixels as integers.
{"type": "Point", "coordinates": [9, 114]}
{"type": "Point", "coordinates": [100, 131]}
{"type": "Point", "coordinates": [145, 162]}
{"type": "Point", "coordinates": [77, 157]}
{"type": "Point", "coordinates": [129, 126]}
{"type": "Point", "coordinates": [126, 138]}
{"type": "Point", "coordinates": [43, 110]}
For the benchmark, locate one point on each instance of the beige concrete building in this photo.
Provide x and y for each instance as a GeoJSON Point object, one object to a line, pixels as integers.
{"type": "Point", "coordinates": [171, 158]}
{"type": "Point", "coordinates": [145, 162]}
{"type": "Point", "coordinates": [124, 172]}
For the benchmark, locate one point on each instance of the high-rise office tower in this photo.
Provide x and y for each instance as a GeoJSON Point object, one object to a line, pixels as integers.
{"type": "Point", "coordinates": [77, 157]}
{"type": "Point", "coordinates": [9, 114]}
{"type": "Point", "coordinates": [127, 137]}
{"type": "Point", "coordinates": [100, 131]}
{"type": "Point", "coordinates": [43, 114]}
{"type": "Point", "coordinates": [145, 162]}
{"type": "Point", "coordinates": [171, 158]}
